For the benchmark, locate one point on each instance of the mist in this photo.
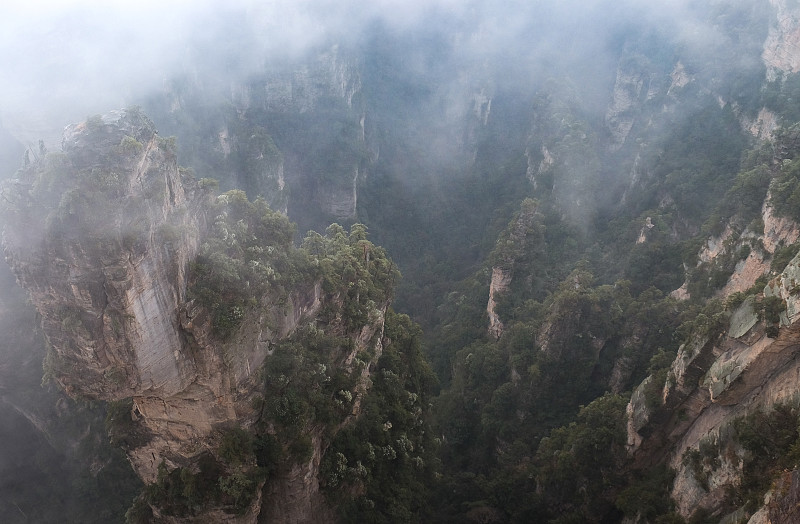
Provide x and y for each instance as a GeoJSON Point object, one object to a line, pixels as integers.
{"type": "Point", "coordinates": [63, 61]}
{"type": "Point", "coordinates": [452, 107]}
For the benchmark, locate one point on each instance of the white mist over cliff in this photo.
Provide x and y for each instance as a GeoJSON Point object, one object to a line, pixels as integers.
{"type": "Point", "coordinates": [65, 60]}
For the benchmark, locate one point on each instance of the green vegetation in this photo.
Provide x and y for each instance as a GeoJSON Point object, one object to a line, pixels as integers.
{"type": "Point", "coordinates": [703, 461]}
{"type": "Point", "coordinates": [648, 497]}
{"type": "Point", "coordinates": [183, 493]}
{"type": "Point", "coordinates": [354, 270]}
{"type": "Point", "coordinates": [247, 262]}
{"type": "Point", "coordinates": [594, 230]}
{"type": "Point", "coordinates": [780, 94]}
{"type": "Point", "coordinates": [228, 478]}
{"type": "Point", "coordinates": [782, 256]}
{"type": "Point", "coordinates": [130, 146]}
{"type": "Point", "coordinates": [660, 364]}
{"type": "Point", "coordinates": [568, 462]}
{"type": "Point", "coordinates": [770, 309]}
{"type": "Point", "coordinates": [306, 385]}
{"type": "Point", "coordinates": [379, 467]}
{"type": "Point", "coordinates": [771, 445]}
{"type": "Point", "coordinates": [587, 311]}
{"type": "Point", "coordinates": [248, 253]}
{"type": "Point", "coordinates": [573, 476]}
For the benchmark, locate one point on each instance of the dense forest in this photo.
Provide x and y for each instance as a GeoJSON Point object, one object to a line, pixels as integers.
{"type": "Point", "coordinates": [519, 263]}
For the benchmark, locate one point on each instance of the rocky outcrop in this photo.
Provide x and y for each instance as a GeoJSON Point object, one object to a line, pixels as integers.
{"type": "Point", "coordinates": [329, 74]}
{"type": "Point", "coordinates": [714, 380]}
{"type": "Point", "coordinates": [778, 232]}
{"type": "Point", "coordinates": [67, 438]}
{"type": "Point", "coordinates": [626, 99]}
{"type": "Point", "coordinates": [107, 267]}
{"type": "Point", "coordinates": [104, 236]}
{"type": "Point", "coordinates": [678, 78]}
{"type": "Point", "coordinates": [763, 125]}
{"type": "Point", "coordinates": [512, 245]}
{"type": "Point", "coordinates": [501, 279]}
{"type": "Point", "coordinates": [736, 363]}
{"type": "Point", "coordinates": [543, 165]}
{"type": "Point", "coordinates": [648, 225]}
{"type": "Point", "coordinates": [783, 41]}
{"type": "Point", "coordinates": [745, 273]}
{"type": "Point", "coordinates": [782, 503]}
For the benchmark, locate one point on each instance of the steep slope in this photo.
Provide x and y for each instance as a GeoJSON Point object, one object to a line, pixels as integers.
{"type": "Point", "coordinates": [239, 365]}
{"type": "Point", "coordinates": [51, 442]}
{"type": "Point", "coordinates": [230, 356]}
{"type": "Point", "coordinates": [95, 256]}
{"type": "Point", "coordinates": [738, 366]}
{"type": "Point", "coordinates": [674, 148]}
{"type": "Point", "coordinates": [739, 359]}
{"type": "Point", "coordinates": [292, 132]}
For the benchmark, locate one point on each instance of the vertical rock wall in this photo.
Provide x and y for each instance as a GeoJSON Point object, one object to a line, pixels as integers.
{"type": "Point", "coordinates": [102, 235]}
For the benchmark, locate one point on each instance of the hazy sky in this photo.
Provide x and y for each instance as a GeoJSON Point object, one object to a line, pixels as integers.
{"type": "Point", "coordinates": [65, 59]}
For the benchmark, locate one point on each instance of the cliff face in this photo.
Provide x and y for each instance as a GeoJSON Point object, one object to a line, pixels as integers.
{"type": "Point", "coordinates": [736, 363]}
{"type": "Point", "coordinates": [780, 49]}
{"type": "Point", "coordinates": [107, 266]}
{"type": "Point", "coordinates": [513, 246]}
{"type": "Point", "coordinates": [329, 74]}
{"type": "Point", "coordinates": [66, 437]}
{"type": "Point", "coordinates": [501, 278]}
{"type": "Point", "coordinates": [326, 83]}
{"type": "Point", "coordinates": [152, 290]}
{"type": "Point", "coordinates": [629, 89]}
{"type": "Point", "coordinates": [293, 132]}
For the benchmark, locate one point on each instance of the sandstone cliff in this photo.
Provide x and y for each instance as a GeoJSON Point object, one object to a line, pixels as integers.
{"type": "Point", "coordinates": [739, 360]}
{"type": "Point", "coordinates": [513, 246]}
{"type": "Point", "coordinates": [292, 132]}
{"type": "Point", "coordinates": [101, 235]}
{"type": "Point", "coordinates": [158, 296]}
{"type": "Point", "coordinates": [780, 49]}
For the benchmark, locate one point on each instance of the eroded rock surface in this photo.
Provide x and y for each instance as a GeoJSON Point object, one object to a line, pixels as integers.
{"type": "Point", "coordinates": [501, 279]}
{"type": "Point", "coordinates": [101, 236]}
{"type": "Point", "coordinates": [781, 47]}
{"type": "Point", "coordinates": [511, 246]}
{"type": "Point", "coordinates": [714, 380]}
{"type": "Point", "coordinates": [104, 236]}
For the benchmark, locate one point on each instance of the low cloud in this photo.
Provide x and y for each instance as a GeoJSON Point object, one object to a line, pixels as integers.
{"type": "Point", "coordinates": [64, 60]}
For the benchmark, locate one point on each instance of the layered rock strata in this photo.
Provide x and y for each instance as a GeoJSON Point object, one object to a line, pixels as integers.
{"type": "Point", "coordinates": [733, 366]}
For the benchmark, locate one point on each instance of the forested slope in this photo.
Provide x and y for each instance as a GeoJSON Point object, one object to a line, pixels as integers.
{"type": "Point", "coordinates": [598, 240]}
